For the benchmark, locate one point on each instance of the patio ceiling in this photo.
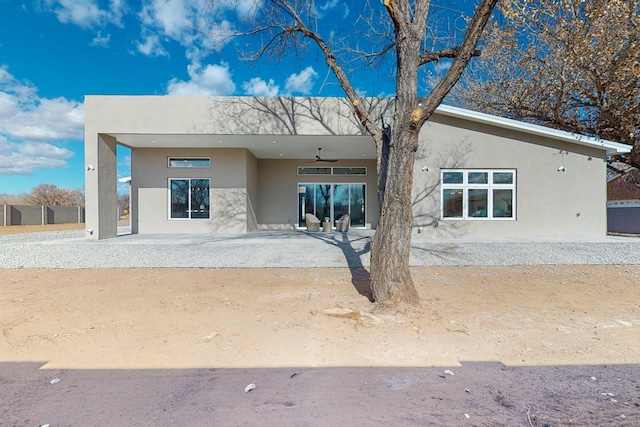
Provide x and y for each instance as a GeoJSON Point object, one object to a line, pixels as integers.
{"type": "Point", "coordinates": [262, 146]}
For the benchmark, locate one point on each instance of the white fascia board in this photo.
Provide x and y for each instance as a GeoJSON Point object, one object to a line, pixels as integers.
{"type": "Point", "coordinates": [609, 146]}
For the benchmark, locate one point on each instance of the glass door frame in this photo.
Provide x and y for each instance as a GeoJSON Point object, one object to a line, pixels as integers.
{"type": "Point", "coordinates": [302, 207]}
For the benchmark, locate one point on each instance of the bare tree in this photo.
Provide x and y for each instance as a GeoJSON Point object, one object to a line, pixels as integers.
{"type": "Point", "coordinates": [572, 65]}
{"type": "Point", "coordinates": [13, 199]}
{"type": "Point", "coordinates": [52, 195]}
{"type": "Point", "coordinates": [396, 32]}
{"type": "Point", "coordinates": [123, 203]}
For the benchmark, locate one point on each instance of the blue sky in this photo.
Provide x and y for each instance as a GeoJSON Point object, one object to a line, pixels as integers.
{"type": "Point", "coordinates": [54, 52]}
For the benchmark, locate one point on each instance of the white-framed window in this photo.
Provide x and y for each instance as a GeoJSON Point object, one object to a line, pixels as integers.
{"type": "Point", "coordinates": [478, 194]}
{"type": "Point", "coordinates": [189, 198]}
{"type": "Point", "coordinates": [189, 162]}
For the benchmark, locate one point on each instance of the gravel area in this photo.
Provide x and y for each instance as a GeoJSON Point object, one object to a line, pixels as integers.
{"type": "Point", "coordinates": [70, 249]}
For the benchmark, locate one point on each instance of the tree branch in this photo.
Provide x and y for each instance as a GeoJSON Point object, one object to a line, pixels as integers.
{"type": "Point", "coordinates": [466, 49]}
{"type": "Point", "coordinates": [451, 52]}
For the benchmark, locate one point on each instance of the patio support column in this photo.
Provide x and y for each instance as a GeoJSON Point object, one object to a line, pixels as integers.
{"type": "Point", "coordinates": [101, 195]}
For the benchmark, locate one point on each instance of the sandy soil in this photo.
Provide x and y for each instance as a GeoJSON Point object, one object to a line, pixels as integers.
{"type": "Point", "coordinates": [20, 229]}
{"type": "Point", "coordinates": [503, 346]}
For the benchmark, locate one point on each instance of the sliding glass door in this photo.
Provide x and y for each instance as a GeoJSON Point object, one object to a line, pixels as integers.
{"type": "Point", "coordinates": [332, 201]}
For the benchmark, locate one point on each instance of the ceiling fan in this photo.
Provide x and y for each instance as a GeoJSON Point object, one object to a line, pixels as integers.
{"type": "Point", "coordinates": [320, 159]}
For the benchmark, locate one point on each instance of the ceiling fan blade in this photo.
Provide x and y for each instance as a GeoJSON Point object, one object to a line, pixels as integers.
{"type": "Point", "coordinates": [320, 159]}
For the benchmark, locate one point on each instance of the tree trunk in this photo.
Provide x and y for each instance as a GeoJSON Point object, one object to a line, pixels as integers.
{"type": "Point", "coordinates": [390, 275]}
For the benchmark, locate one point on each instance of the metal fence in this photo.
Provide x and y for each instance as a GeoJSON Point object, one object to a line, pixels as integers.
{"type": "Point", "coordinates": [39, 215]}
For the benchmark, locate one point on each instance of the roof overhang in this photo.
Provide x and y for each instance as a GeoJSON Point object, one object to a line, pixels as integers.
{"type": "Point", "coordinates": [262, 146]}
{"type": "Point", "coordinates": [609, 146]}
{"type": "Point", "coordinates": [186, 124]}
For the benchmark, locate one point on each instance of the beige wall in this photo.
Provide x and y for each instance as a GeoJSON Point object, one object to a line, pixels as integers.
{"type": "Point", "coordinates": [246, 193]}
{"type": "Point", "coordinates": [211, 116]}
{"type": "Point", "coordinates": [549, 203]}
{"type": "Point", "coordinates": [252, 191]}
{"type": "Point", "coordinates": [278, 190]}
{"type": "Point", "coordinates": [101, 196]}
{"type": "Point", "coordinates": [150, 184]}
{"type": "Point", "coordinates": [249, 192]}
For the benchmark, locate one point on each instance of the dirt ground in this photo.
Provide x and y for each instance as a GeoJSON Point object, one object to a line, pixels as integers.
{"type": "Point", "coordinates": [19, 229]}
{"type": "Point", "coordinates": [501, 346]}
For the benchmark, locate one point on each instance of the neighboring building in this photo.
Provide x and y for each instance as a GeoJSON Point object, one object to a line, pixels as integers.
{"type": "Point", "coordinates": [235, 164]}
{"type": "Point", "coordinates": [623, 194]}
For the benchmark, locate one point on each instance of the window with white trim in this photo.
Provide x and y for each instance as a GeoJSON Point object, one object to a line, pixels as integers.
{"type": "Point", "coordinates": [189, 162]}
{"type": "Point", "coordinates": [478, 194]}
{"type": "Point", "coordinates": [189, 198]}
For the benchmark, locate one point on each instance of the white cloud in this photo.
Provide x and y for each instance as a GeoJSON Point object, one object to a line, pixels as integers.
{"type": "Point", "coordinates": [30, 126]}
{"type": "Point", "coordinates": [332, 4]}
{"type": "Point", "coordinates": [46, 120]}
{"type": "Point", "coordinates": [8, 105]}
{"type": "Point", "coordinates": [199, 26]}
{"type": "Point", "coordinates": [301, 83]}
{"type": "Point", "coordinates": [258, 87]}
{"type": "Point", "coordinates": [182, 21]}
{"type": "Point", "coordinates": [443, 66]}
{"type": "Point", "coordinates": [151, 47]}
{"type": "Point", "coordinates": [86, 13]}
{"type": "Point", "coordinates": [208, 81]}
{"type": "Point", "coordinates": [173, 18]}
{"type": "Point", "coordinates": [101, 40]}
{"type": "Point", "coordinates": [435, 72]}
{"type": "Point", "coordinates": [23, 158]}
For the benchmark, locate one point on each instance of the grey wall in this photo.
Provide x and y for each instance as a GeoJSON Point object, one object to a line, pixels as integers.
{"type": "Point", "coordinates": [26, 215]}
{"type": "Point", "coordinates": [64, 214]}
{"type": "Point", "coordinates": [548, 203]}
{"type": "Point", "coordinates": [38, 214]}
{"type": "Point", "coordinates": [623, 219]}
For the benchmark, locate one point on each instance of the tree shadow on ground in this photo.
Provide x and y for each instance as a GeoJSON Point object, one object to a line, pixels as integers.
{"type": "Point", "coordinates": [360, 277]}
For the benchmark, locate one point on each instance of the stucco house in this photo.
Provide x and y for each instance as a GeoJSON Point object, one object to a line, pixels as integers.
{"type": "Point", "coordinates": [239, 164]}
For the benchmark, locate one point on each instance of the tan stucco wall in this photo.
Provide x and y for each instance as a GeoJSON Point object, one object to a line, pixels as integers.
{"type": "Point", "coordinates": [239, 183]}
{"type": "Point", "coordinates": [150, 182]}
{"type": "Point", "coordinates": [278, 195]}
{"type": "Point", "coordinates": [207, 115]}
{"type": "Point", "coordinates": [252, 190]}
{"type": "Point", "coordinates": [549, 203]}
{"type": "Point", "coordinates": [250, 193]}
{"type": "Point", "coordinates": [101, 195]}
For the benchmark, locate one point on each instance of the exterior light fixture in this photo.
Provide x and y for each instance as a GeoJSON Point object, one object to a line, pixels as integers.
{"type": "Point", "coordinates": [90, 168]}
{"type": "Point", "coordinates": [562, 169]}
{"type": "Point", "coordinates": [425, 169]}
